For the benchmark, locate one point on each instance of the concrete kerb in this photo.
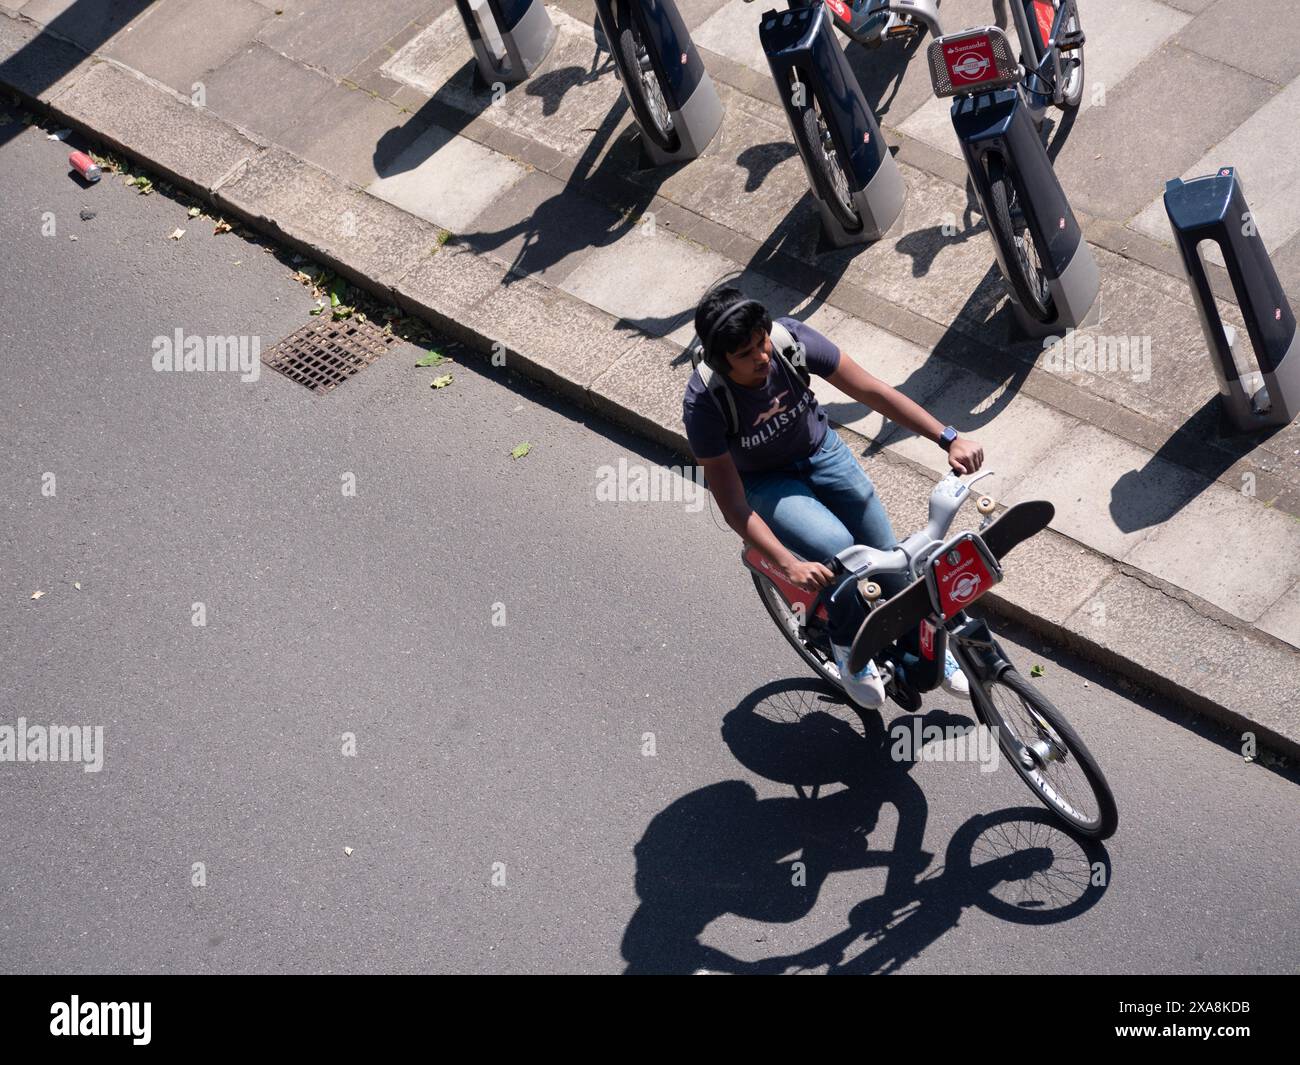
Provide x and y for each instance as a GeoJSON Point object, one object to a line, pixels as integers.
{"type": "Point", "coordinates": [364, 239]}
{"type": "Point", "coordinates": [392, 255]}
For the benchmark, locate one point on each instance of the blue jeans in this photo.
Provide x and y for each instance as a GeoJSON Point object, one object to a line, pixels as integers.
{"type": "Point", "coordinates": [825, 504]}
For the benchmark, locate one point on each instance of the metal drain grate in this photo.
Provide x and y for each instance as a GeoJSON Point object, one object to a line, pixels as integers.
{"type": "Point", "coordinates": [322, 355]}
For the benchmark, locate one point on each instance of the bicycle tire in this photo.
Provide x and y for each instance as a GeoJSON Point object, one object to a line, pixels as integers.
{"type": "Point", "coordinates": [1032, 293]}
{"type": "Point", "coordinates": [1051, 792]}
{"type": "Point", "coordinates": [831, 182]}
{"type": "Point", "coordinates": [1075, 81]}
{"type": "Point", "coordinates": [788, 624]}
{"type": "Point", "coordinates": [658, 128]}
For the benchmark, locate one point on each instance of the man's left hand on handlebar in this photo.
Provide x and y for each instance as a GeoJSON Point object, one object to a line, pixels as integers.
{"type": "Point", "coordinates": [965, 456]}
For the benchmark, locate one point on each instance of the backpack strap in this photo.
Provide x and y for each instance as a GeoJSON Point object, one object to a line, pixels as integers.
{"type": "Point", "coordinates": [790, 352]}
{"type": "Point", "coordinates": [716, 384]}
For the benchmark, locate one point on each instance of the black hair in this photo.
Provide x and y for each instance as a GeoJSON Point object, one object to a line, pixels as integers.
{"type": "Point", "coordinates": [721, 332]}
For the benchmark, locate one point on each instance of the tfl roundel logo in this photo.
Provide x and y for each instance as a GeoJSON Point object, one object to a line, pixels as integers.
{"type": "Point", "coordinates": [965, 587]}
{"type": "Point", "coordinates": [971, 66]}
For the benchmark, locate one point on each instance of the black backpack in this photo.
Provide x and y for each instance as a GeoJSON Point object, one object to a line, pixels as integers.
{"type": "Point", "coordinates": [788, 350]}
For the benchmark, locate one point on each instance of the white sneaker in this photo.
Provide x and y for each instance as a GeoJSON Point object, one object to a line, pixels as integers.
{"type": "Point", "coordinates": [954, 680]}
{"type": "Point", "coordinates": [864, 687]}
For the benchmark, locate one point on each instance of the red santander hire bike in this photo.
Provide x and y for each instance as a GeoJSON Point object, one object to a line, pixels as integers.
{"type": "Point", "coordinates": [948, 574]}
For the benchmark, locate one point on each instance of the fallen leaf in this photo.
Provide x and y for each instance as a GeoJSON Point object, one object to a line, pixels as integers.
{"type": "Point", "coordinates": [1037, 671]}
{"type": "Point", "coordinates": [37, 595]}
{"type": "Point", "coordinates": [434, 358]}
{"type": "Point", "coordinates": [176, 234]}
{"type": "Point", "coordinates": [520, 451]}
{"type": "Point", "coordinates": [318, 308]}
{"type": "Point", "coordinates": [222, 226]}
{"type": "Point", "coordinates": [441, 382]}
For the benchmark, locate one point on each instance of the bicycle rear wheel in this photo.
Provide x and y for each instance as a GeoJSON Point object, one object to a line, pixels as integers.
{"type": "Point", "coordinates": [791, 626]}
{"type": "Point", "coordinates": [1072, 66]}
{"type": "Point", "coordinates": [1048, 754]}
{"type": "Point", "coordinates": [1015, 239]}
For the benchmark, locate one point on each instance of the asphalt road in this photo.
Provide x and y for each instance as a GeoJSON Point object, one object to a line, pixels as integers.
{"type": "Point", "coordinates": [603, 782]}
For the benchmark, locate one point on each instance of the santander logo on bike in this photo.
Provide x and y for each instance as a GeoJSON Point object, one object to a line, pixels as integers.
{"type": "Point", "coordinates": [962, 578]}
{"type": "Point", "coordinates": [968, 61]}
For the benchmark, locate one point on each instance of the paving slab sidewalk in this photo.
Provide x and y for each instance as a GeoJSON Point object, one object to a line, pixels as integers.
{"type": "Point", "coordinates": [1135, 572]}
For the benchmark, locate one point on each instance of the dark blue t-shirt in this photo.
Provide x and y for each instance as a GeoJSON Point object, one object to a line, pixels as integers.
{"type": "Point", "coordinates": [780, 421]}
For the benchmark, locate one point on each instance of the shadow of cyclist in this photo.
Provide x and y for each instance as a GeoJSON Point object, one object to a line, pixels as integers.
{"type": "Point", "coordinates": [722, 850]}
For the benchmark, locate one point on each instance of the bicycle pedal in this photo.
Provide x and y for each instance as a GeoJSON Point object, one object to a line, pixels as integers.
{"type": "Point", "coordinates": [907, 697]}
{"type": "Point", "coordinates": [1068, 42]}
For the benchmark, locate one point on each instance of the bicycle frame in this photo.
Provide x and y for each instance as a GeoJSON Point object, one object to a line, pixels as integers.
{"type": "Point", "coordinates": [1043, 81]}
{"type": "Point", "coordinates": [870, 22]}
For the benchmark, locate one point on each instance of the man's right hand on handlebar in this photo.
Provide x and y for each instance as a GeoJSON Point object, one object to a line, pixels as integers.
{"type": "Point", "coordinates": [965, 456]}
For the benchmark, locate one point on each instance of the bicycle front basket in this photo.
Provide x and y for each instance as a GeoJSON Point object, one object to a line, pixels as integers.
{"type": "Point", "coordinates": [972, 61]}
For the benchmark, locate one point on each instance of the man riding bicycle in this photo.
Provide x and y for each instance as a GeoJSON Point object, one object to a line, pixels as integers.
{"type": "Point", "coordinates": [784, 481]}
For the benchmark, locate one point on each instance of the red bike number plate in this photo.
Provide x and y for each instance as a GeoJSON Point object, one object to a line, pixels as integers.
{"type": "Point", "coordinates": [961, 577]}
{"type": "Point", "coordinates": [969, 61]}
{"type": "Point", "coordinates": [927, 639]}
{"type": "Point", "coordinates": [840, 10]}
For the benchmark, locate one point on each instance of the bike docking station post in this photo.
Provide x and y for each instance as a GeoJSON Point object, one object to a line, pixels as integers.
{"type": "Point", "coordinates": [821, 92]}
{"type": "Point", "coordinates": [652, 47]}
{"type": "Point", "coordinates": [1214, 208]}
{"type": "Point", "coordinates": [996, 127]}
{"type": "Point", "coordinates": [510, 38]}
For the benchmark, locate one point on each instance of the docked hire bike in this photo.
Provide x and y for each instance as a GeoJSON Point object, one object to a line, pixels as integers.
{"type": "Point", "coordinates": [978, 67]}
{"type": "Point", "coordinates": [947, 575]}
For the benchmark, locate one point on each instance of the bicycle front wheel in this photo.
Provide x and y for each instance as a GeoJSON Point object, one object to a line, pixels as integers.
{"type": "Point", "coordinates": [1048, 754]}
{"type": "Point", "coordinates": [1015, 239]}
{"type": "Point", "coordinates": [644, 92]}
{"type": "Point", "coordinates": [829, 174]}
